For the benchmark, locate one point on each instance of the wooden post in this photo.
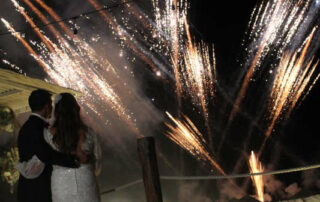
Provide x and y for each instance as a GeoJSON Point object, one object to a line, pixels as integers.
{"type": "Point", "coordinates": [148, 159]}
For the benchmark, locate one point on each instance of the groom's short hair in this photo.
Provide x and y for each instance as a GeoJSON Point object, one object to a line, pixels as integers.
{"type": "Point", "coordinates": [38, 99]}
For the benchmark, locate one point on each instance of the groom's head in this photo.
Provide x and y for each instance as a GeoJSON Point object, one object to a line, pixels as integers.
{"type": "Point", "coordinates": [40, 102]}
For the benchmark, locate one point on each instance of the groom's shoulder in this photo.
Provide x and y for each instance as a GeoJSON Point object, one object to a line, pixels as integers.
{"type": "Point", "coordinates": [32, 124]}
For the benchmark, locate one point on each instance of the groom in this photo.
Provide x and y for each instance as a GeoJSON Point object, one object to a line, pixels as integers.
{"type": "Point", "coordinates": [36, 156]}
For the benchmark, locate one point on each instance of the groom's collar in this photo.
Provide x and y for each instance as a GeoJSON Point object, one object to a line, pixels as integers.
{"type": "Point", "coordinates": [38, 115]}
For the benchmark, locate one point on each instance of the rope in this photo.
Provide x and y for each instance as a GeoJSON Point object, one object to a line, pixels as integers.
{"type": "Point", "coordinates": [276, 172]}
{"type": "Point", "coordinates": [122, 186]}
{"type": "Point", "coordinates": [71, 18]}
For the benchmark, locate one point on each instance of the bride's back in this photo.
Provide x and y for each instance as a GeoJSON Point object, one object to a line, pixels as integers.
{"type": "Point", "coordinates": [70, 135]}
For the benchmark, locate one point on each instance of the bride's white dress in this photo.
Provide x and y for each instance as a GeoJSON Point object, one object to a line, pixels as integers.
{"type": "Point", "coordinates": [76, 184]}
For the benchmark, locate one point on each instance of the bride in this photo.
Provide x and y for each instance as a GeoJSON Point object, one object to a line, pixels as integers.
{"type": "Point", "coordinates": [70, 135]}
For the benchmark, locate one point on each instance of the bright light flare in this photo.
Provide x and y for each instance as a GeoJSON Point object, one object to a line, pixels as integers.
{"type": "Point", "coordinates": [256, 167]}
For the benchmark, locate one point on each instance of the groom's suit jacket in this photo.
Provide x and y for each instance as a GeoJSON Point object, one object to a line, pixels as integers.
{"type": "Point", "coordinates": [31, 142]}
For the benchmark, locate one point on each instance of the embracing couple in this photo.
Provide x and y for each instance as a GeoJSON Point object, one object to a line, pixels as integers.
{"type": "Point", "coordinates": [58, 161]}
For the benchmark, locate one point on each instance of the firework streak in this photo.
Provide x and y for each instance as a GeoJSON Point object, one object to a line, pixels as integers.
{"type": "Point", "coordinates": [187, 136]}
{"type": "Point", "coordinates": [293, 77]}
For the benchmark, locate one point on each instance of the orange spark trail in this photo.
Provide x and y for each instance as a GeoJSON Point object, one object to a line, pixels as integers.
{"type": "Point", "coordinates": [55, 17]}
{"type": "Point", "coordinates": [24, 43]}
{"type": "Point", "coordinates": [33, 25]}
{"type": "Point", "coordinates": [244, 87]}
{"type": "Point", "coordinates": [175, 59]}
{"type": "Point", "coordinates": [43, 18]}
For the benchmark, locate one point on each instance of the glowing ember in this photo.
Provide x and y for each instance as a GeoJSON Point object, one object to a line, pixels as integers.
{"type": "Point", "coordinates": [256, 167]}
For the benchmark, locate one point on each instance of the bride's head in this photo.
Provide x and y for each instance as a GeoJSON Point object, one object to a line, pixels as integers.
{"type": "Point", "coordinates": [67, 123]}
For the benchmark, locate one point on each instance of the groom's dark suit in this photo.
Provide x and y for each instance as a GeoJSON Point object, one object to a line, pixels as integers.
{"type": "Point", "coordinates": [31, 142]}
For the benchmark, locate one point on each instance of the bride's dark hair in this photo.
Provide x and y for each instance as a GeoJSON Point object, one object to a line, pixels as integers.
{"type": "Point", "coordinates": [68, 123]}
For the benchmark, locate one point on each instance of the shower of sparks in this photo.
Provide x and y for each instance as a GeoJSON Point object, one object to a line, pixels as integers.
{"type": "Point", "coordinates": [78, 67]}
{"type": "Point", "coordinates": [273, 26]}
{"type": "Point", "coordinates": [256, 167]}
{"type": "Point", "coordinates": [294, 75]}
{"type": "Point", "coordinates": [186, 135]}
{"type": "Point", "coordinates": [21, 10]}
{"type": "Point", "coordinates": [194, 73]}
{"type": "Point", "coordinates": [170, 22]}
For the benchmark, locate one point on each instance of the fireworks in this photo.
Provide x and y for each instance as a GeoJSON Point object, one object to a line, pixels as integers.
{"type": "Point", "coordinates": [194, 72]}
{"type": "Point", "coordinates": [273, 26]}
{"type": "Point", "coordinates": [256, 167]}
{"type": "Point", "coordinates": [277, 28]}
{"type": "Point", "coordinates": [186, 135]}
{"type": "Point", "coordinates": [293, 76]}
{"type": "Point", "coordinates": [170, 24]}
{"type": "Point", "coordinates": [170, 19]}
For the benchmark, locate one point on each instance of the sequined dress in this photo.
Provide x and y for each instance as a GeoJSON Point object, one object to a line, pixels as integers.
{"type": "Point", "coordinates": [76, 184]}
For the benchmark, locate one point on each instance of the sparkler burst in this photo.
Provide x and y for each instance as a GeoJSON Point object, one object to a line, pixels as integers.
{"type": "Point", "coordinates": [186, 135]}
{"type": "Point", "coordinates": [256, 167]}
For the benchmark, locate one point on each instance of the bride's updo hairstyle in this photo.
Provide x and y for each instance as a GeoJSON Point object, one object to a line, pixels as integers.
{"type": "Point", "coordinates": [67, 122]}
